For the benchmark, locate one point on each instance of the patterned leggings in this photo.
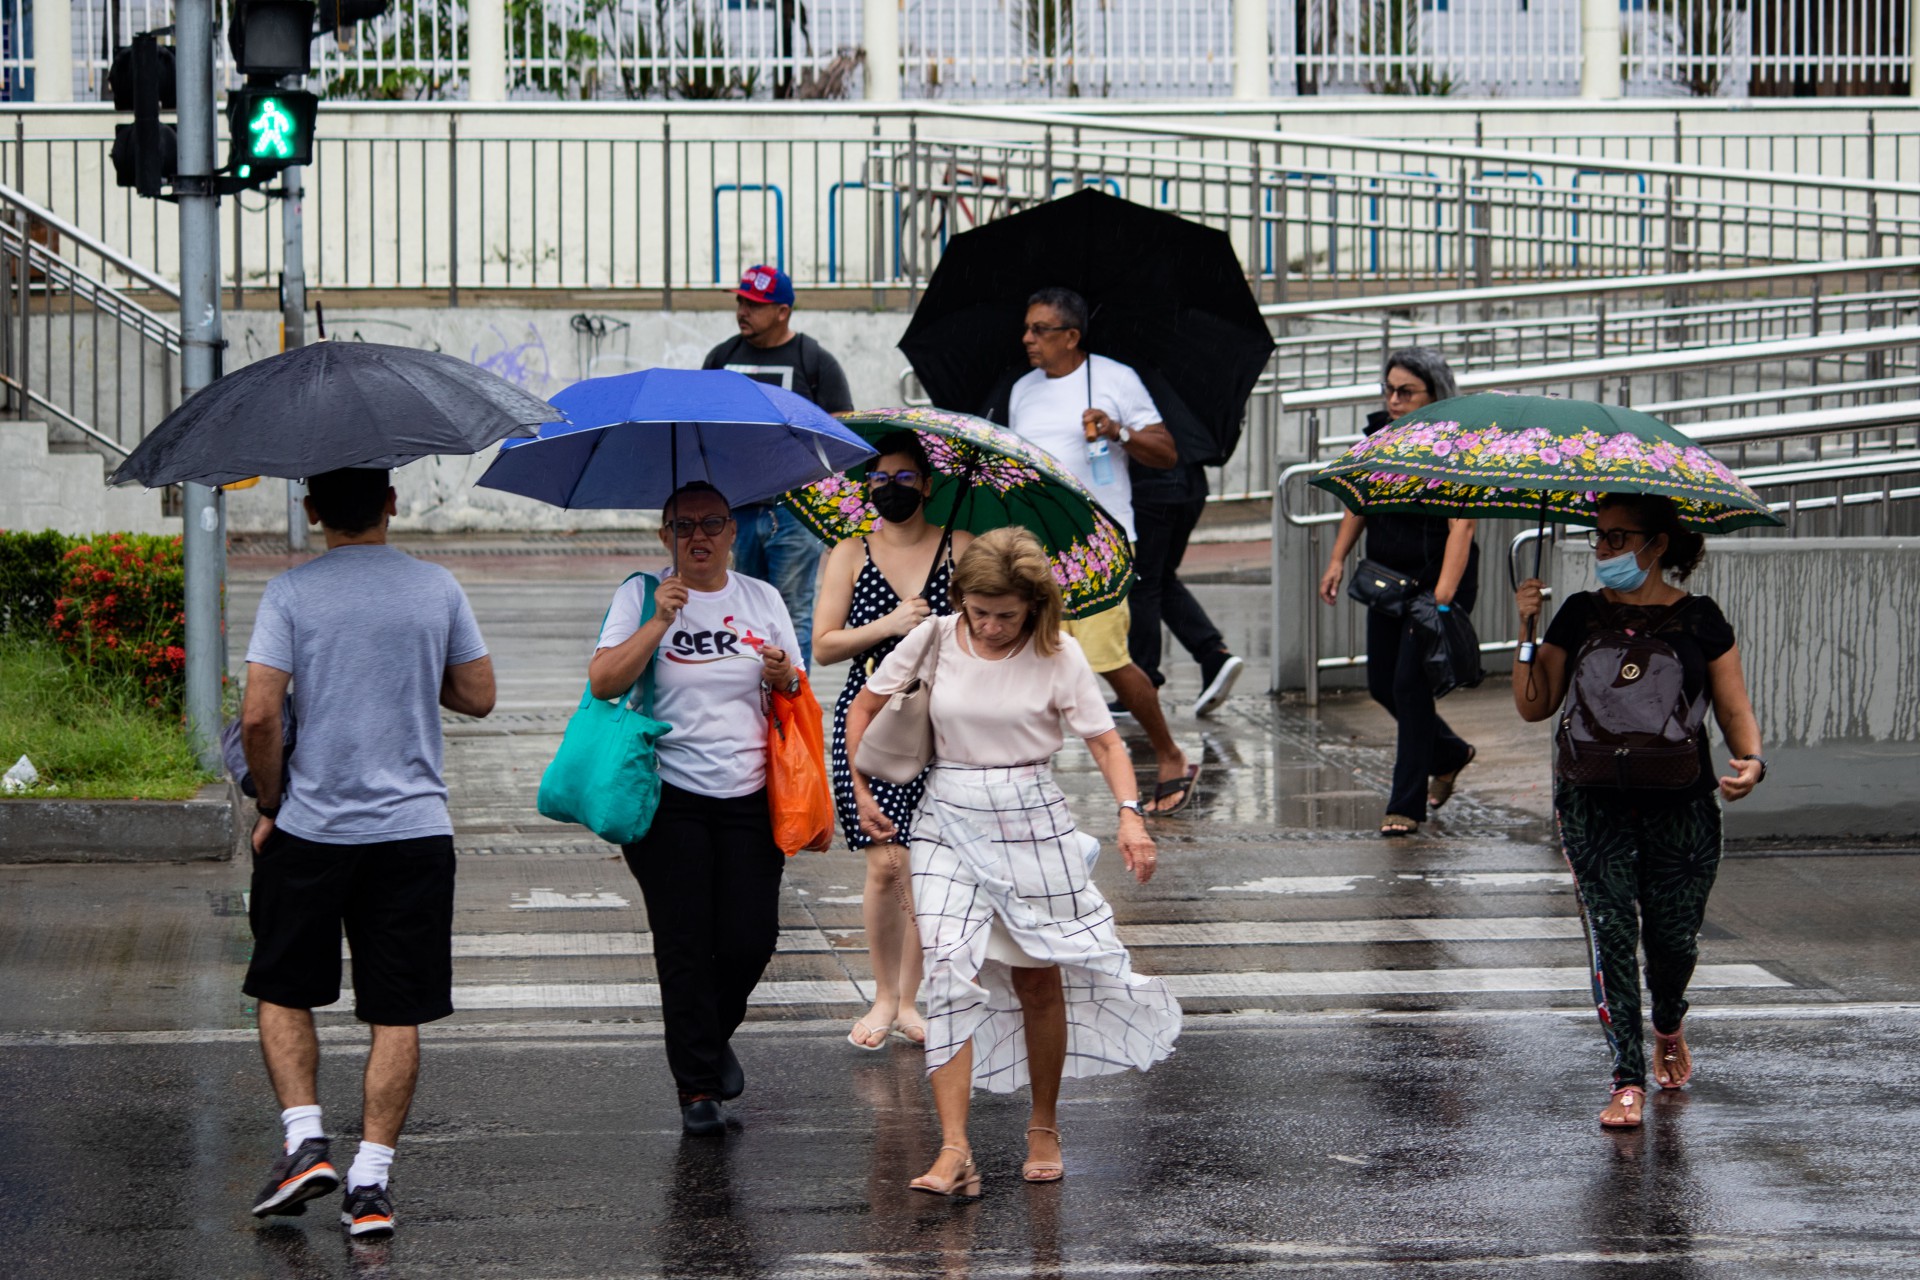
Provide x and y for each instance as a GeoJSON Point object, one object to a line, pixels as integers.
{"type": "Point", "coordinates": [1661, 861]}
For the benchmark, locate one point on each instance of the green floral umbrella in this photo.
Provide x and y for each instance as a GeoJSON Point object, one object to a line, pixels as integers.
{"type": "Point", "coordinates": [1496, 454]}
{"type": "Point", "coordinates": [985, 479]}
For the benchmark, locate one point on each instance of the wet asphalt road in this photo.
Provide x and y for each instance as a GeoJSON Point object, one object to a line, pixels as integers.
{"type": "Point", "coordinates": [1387, 1068]}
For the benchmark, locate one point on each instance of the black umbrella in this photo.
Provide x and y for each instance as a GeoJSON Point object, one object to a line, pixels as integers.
{"type": "Point", "coordinates": [1167, 297]}
{"type": "Point", "coordinates": [332, 405]}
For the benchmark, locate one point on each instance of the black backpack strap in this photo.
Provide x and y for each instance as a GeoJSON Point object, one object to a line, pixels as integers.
{"type": "Point", "coordinates": [945, 553]}
{"type": "Point", "coordinates": [810, 364]}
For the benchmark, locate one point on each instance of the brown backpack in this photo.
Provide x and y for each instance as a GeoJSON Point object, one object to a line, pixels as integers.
{"type": "Point", "coordinates": [1628, 722]}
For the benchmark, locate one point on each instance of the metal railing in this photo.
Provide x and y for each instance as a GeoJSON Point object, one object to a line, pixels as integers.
{"type": "Point", "coordinates": [612, 49]}
{"type": "Point", "coordinates": [1882, 442]}
{"type": "Point", "coordinates": [667, 199]}
{"type": "Point", "coordinates": [75, 350]}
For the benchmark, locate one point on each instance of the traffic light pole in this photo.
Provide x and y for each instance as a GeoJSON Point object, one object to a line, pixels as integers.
{"type": "Point", "coordinates": [293, 317]}
{"type": "Point", "coordinates": [202, 521]}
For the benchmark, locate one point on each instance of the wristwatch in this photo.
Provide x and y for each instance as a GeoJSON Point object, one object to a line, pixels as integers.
{"type": "Point", "coordinates": [1133, 805]}
{"type": "Point", "coordinates": [267, 811]}
{"type": "Point", "coordinates": [1763, 765]}
{"type": "Point", "coordinates": [1125, 435]}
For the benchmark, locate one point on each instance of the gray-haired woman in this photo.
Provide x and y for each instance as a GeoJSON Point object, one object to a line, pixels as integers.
{"type": "Point", "coordinates": [1443, 557]}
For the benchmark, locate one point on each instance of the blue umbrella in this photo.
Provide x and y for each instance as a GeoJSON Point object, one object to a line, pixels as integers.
{"type": "Point", "coordinates": [632, 439]}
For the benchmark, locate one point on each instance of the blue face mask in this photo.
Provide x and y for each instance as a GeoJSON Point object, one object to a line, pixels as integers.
{"type": "Point", "coordinates": [1620, 573]}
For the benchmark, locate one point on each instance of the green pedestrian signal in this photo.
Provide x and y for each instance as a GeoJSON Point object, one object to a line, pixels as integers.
{"type": "Point", "coordinates": [269, 129]}
{"type": "Point", "coordinates": [272, 129]}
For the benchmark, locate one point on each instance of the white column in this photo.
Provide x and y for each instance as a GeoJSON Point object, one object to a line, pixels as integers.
{"type": "Point", "coordinates": [1600, 48]}
{"type": "Point", "coordinates": [53, 50]}
{"type": "Point", "coordinates": [880, 37]}
{"type": "Point", "coordinates": [1913, 47]}
{"type": "Point", "coordinates": [486, 51]}
{"type": "Point", "coordinates": [1252, 62]}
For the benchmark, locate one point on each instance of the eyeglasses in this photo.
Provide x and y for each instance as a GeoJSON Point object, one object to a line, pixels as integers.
{"type": "Point", "coordinates": [1042, 330]}
{"type": "Point", "coordinates": [1616, 539]}
{"type": "Point", "coordinates": [712, 526]}
{"type": "Point", "coordinates": [1399, 392]}
{"type": "Point", "coordinates": [906, 476]}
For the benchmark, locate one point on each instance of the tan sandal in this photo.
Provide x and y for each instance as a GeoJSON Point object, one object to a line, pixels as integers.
{"type": "Point", "coordinates": [964, 1183]}
{"type": "Point", "coordinates": [1398, 827]}
{"type": "Point", "coordinates": [1672, 1060]}
{"type": "Point", "coordinates": [1442, 784]}
{"type": "Point", "coordinates": [1629, 1100]}
{"type": "Point", "coordinates": [1043, 1170]}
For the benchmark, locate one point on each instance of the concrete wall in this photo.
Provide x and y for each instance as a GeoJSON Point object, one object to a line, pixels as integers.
{"type": "Point", "coordinates": [1829, 633]}
{"type": "Point", "coordinates": [544, 351]}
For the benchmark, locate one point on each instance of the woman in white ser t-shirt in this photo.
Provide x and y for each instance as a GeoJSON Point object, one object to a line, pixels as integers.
{"type": "Point", "coordinates": [1026, 980]}
{"type": "Point", "coordinates": [708, 868]}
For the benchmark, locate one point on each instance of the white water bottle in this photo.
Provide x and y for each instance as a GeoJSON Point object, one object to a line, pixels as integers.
{"type": "Point", "coordinates": [1100, 458]}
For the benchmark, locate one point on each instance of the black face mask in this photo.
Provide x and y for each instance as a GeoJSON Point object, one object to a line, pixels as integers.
{"type": "Point", "coordinates": [895, 502]}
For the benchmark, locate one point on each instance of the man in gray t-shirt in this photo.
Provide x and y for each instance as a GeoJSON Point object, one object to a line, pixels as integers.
{"type": "Point", "coordinates": [367, 644]}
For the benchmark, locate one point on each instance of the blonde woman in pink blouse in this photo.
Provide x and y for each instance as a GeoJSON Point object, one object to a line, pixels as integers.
{"type": "Point", "coordinates": [1026, 980]}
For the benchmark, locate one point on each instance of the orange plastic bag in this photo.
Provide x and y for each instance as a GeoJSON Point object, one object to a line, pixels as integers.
{"type": "Point", "coordinates": [799, 791]}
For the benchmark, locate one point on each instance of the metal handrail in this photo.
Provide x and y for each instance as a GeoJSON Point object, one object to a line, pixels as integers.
{"type": "Point", "coordinates": [1539, 159]}
{"type": "Point", "coordinates": [1817, 391]}
{"type": "Point", "coordinates": [1577, 288]}
{"type": "Point", "coordinates": [1849, 343]}
{"type": "Point", "coordinates": [40, 213]}
{"type": "Point", "coordinates": [1809, 422]}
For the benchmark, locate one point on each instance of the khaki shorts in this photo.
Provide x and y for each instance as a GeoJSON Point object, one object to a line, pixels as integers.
{"type": "Point", "coordinates": [1103, 637]}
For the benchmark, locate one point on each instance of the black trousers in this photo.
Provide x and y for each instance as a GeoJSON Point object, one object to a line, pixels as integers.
{"type": "Point", "coordinates": [1159, 596]}
{"type": "Point", "coordinates": [710, 874]}
{"type": "Point", "coordinates": [1424, 745]}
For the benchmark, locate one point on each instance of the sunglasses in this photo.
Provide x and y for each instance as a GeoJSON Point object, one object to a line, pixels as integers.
{"type": "Point", "coordinates": [1615, 539]}
{"type": "Point", "coordinates": [906, 476]}
{"type": "Point", "coordinates": [712, 526]}
{"type": "Point", "coordinates": [1042, 330]}
{"type": "Point", "coordinates": [1396, 392]}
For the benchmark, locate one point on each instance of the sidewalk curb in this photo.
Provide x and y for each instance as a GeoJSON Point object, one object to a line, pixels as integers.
{"type": "Point", "coordinates": [205, 828]}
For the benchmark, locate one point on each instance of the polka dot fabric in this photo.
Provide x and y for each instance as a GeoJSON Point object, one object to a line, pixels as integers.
{"type": "Point", "coordinates": [874, 598]}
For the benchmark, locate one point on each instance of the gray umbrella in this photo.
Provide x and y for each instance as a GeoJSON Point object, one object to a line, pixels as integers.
{"type": "Point", "coordinates": [332, 405]}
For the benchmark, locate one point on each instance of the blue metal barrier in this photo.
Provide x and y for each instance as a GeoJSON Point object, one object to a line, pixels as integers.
{"type": "Point", "coordinates": [779, 221]}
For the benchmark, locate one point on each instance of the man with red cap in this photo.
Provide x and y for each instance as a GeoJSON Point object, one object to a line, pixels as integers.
{"type": "Point", "coordinates": [770, 544]}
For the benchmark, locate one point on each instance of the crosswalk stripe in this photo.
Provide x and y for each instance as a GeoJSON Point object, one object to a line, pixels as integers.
{"type": "Point", "coordinates": [528, 946]}
{"type": "Point", "coordinates": [1381, 982]}
{"type": "Point", "coordinates": [1190, 986]}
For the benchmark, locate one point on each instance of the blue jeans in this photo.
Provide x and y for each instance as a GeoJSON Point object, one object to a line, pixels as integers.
{"type": "Point", "coordinates": [771, 544]}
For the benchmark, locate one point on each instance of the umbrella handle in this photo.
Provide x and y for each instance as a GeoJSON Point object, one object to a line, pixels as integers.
{"type": "Point", "coordinates": [1525, 653]}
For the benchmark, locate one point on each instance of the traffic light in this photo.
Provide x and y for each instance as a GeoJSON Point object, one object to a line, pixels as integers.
{"type": "Point", "coordinates": [270, 39]}
{"type": "Point", "coordinates": [269, 129]}
{"type": "Point", "coordinates": [145, 153]}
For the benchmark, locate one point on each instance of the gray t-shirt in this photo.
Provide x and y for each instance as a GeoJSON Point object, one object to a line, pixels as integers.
{"type": "Point", "coordinates": [367, 633]}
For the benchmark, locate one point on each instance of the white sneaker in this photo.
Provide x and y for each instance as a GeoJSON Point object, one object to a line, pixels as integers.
{"type": "Point", "coordinates": [1219, 685]}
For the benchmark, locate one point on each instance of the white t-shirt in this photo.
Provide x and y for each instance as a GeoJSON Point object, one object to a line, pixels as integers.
{"type": "Point", "coordinates": [707, 680]}
{"type": "Point", "coordinates": [1046, 412]}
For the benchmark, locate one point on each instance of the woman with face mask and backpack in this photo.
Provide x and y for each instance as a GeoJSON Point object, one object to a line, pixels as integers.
{"type": "Point", "coordinates": [873, 591]}
{"type": "Point", "coordinates": [1637, 666]}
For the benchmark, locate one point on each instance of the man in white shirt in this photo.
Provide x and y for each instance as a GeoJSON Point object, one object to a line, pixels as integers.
{"type": "Point", "coordinates": [1093, 415]}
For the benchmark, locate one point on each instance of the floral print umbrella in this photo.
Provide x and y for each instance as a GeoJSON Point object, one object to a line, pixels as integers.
{"type": "Point", "coordinates": [1497, 454]}
{"type": "Point", "coordinates": [985, 479]}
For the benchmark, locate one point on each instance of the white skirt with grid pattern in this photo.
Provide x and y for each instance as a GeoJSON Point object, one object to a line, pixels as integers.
{"type": "Point", "coordinates": [1001, 842]}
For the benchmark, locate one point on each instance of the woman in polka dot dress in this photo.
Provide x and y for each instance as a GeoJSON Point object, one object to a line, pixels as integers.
{"type": "Point", "coordinates": [874, 591]}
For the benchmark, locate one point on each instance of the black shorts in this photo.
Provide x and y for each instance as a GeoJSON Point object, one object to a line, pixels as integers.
{"type": "Point", "coordinates": [395, 900]}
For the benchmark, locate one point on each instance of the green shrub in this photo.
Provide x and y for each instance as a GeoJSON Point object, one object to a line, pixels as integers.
{"type": "Point", "coordinates": [31, 574]}
{"type": "Point", "coordinates": [121, 611]}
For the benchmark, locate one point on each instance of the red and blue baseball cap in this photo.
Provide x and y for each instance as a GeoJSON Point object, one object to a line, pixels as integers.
{"type": "Point", "coordinates": [766, 284]}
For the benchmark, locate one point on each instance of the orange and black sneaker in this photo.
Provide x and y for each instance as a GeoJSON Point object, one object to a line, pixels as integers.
{"type": "Point", "coordinates": [367, 1213]}
{"type": "Point", "coordinates": [297, 1177]}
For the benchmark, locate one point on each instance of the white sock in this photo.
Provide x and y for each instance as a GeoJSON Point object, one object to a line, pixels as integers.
{"type": "Point", "coordinates": [301, 1123]}
{"type": "Point", "coordinates": [370, 1165]}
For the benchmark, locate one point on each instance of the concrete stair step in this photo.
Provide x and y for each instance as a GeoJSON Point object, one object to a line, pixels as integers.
{"type": "Point", "coordinates": [62, 486]}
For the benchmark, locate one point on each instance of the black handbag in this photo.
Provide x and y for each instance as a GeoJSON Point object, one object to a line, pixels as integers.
{"type": "Point", "coordinates": [1450, 656]}
{"type": "Point", "coordinates": [1378, 587]}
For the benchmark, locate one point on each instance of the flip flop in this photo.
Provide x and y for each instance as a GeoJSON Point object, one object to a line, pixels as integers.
{"type": "Point", "coordinates": [858, 1037]}
{"type": "Point", "coordinates": [1179, 789]}
{"type": "Point", "coordinates": [1442, 784]}
{"type": "Point", "coordinates": [913, 1033]}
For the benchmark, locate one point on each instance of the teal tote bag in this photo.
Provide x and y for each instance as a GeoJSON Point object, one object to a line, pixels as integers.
{"type": "Point", "coordinates": [606, 776]}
